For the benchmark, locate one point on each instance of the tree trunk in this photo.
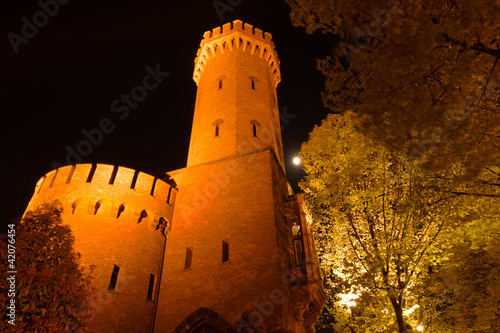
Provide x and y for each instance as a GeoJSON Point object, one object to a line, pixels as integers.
{"type": "Point", "coordinates": [399, 314]}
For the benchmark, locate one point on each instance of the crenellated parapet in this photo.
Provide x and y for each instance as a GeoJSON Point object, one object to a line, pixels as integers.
{"type": "Point", "coordinates": [120, 219]}
{"type": "Point", "coordinates": [108, 191]}
{"type": "Point", "coordinates": [237, 36]}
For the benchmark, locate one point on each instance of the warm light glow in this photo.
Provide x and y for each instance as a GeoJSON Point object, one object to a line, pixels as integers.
{"type": "Point", "coordinates": [296, 160]}
{"type": "Point", "coordinates": [351, 304]}
{"type": "Point", "coordinates": [420, 328]}
{"type": "Point", "coordinates": [348, 299]}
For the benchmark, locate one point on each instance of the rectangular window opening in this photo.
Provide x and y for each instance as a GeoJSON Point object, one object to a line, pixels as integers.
{"type": "Point", "coordinates": [299, 253]}
{"type": "Point", "coordinates": [189, 258]}
{"type": "Point", "coordinates": [151, 287]}
{"type": "Point", "coordinates": [225, 251]}
{"type": "Point", "coordinates": [114, 278]}
{"type": "Point", "coordinates": [216, 130]}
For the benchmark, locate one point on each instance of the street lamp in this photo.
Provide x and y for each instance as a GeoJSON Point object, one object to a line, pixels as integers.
{"type": "Point", "coordinates": [296, 160]}
{"type": "Point", "coordinates": [420, 328]}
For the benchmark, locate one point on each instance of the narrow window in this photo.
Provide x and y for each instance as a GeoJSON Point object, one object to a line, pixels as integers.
{"type": "Point", "coordinates": [114, 278]}
{"type": "Point", "coordinates": [169, 195]}
{"type": "Point", "coordinates": [144, 214]}
{"type": "Point", "coordinates": [113, 175]}
{"type": "Point", "coordinates": [299, 256]}
{"type": "Point", "coordinates": [225, 251]}
{"type": "Point", "coordinates": [253, 84]}
{"type": "Point", "coordinates": [97, 206]}
{"type": "Point", "coordinates": [91, 173]}
{"type": "Point", "coordinates": [189, 258]}
{"type": "Point", "coordinates": [219, 80]}
{"type": "Point", "coordinates": [120, 210]}
{"type": "Point", "coordinates": [254, 130]}
{"type": "Point", "coordinates": [151, 287]}
{"type": "Point", "coordinates": [74, 207]}
{"type": "Point", "coordinates": [216, 124]}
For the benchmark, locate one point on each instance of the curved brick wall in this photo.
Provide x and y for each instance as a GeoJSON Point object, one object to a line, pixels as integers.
{"type": "Point", "coordinates": [106, 235]}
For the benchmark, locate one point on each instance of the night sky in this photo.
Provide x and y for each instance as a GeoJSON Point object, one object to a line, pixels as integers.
{"type": "Point", "coordinates": [64, 79]}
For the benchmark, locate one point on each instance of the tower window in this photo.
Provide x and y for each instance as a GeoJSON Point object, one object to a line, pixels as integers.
{"type": "Point", "coordinates": [144, 214]}
{"type": "Point", "coordinates": [253, 81]}
{"type": "Point", "coordinates": [114, 278]}
{"type": "Point", "coordinates": [120, 210]}
{"type": "Point", "coordinates": [255, 126]}
{"type": "Point", "coordinates": [217, 124]}
{"type": "Point", "coordinates": [97, 206]}
{"type": "Point", "coordinates": [225, 250]}
{"type": "Point", "coordinates": [151, 287]}
{"type": "Point", "coordinates": [219, 80]}
{"type": "Point", "coordinates": [189, 258]}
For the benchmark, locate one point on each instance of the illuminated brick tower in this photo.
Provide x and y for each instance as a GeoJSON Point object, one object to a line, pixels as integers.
{"type": "Point", "coordinates": [222, 245]}
{"type": "Point", "coordinates": [230, 262]}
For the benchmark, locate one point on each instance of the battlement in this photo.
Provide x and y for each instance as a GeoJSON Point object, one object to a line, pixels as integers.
{"type": "Point", "coordinates": [237, 36]}
{"type": "Point", "coordinates": [104, 175]}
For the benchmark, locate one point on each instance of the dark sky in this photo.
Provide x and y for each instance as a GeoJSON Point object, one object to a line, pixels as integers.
{"type": "Point", "coordinates": [64, 79]}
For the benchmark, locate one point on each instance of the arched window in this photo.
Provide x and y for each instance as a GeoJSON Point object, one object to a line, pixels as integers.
{"type": "Point", "coordinates": [143, 215]}
{"type": "Point", "coordinates": [255, 127]}
{"type": "Point", "coordinates": [253, 81]}
{"type": "Point", "coordinates": [120, 210]}
{"type": "Point", "coordinates": [217, 125]}
{"type": "Point", "coordinates": [220, 80]}
{"type": "Point", "coordinates": [97, 206]}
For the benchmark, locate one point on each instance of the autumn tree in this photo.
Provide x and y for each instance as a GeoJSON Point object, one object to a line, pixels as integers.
{"type": "Point", "coordinates": [424, 75]}
{"type": "Point", "coordinates": [52, 288]}
{"type": "Point", "coordinates": [380, 221]}
{"type": "Point", "coordinates": [463, 293]}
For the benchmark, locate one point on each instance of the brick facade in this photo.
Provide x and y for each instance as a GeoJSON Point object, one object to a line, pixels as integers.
{"type": "Point", "coordinates": [216, 235]}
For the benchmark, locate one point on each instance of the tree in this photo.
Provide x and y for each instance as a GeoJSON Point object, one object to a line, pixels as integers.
{"type": "Point", "coordinates": [379, 220]}
{"type": "Point", "coordinates": [52, 289]}
{"type": "Point", "coordinates": [464, 292]}
{"type": "Point", "coordinates": [423, 74]}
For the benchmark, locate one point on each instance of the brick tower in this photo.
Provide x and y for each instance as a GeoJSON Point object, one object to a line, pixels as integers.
{"type": "Point", "coordinates": [232, 262]}
{"type": "Point", "coordinates": [222, 245]}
